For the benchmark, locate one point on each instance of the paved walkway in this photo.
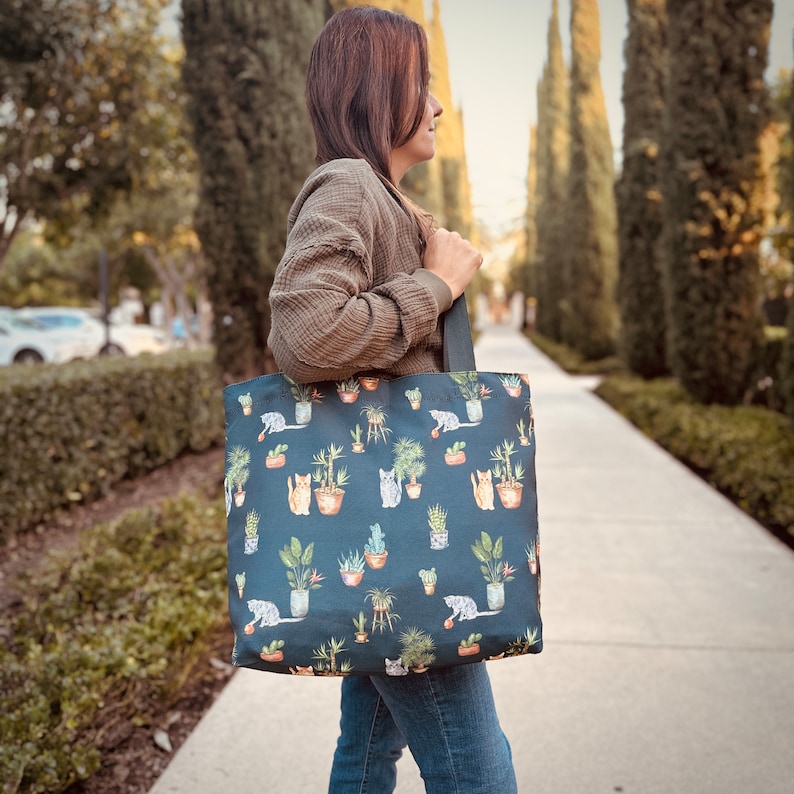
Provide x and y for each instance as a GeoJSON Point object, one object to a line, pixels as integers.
{"type": "Point", "coordinates": [669, 635]}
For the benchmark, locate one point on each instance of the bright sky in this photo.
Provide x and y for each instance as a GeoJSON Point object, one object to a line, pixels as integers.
{"type": "Point", "coordinates": [496, 54]}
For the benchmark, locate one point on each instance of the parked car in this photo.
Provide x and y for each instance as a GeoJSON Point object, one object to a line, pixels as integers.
{"type": "Point", "coordinates": [125, 339]}
{"type": "Point", "coordinates": [25, 341]}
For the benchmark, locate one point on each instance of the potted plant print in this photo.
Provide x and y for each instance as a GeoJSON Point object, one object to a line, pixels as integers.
{"type": "Point", "coordinates": [237, 471]}
{"type": "Point", "coordinates": [239, 580]}
{"type": "Point", "coordinates": [415, 398]}
{"type": "Point", "coordinates": [301, 579]}
{"type": "Point", "coordinates": [272, 652]}
{"type": "Point", "coordinates": [495, 572]}
{"type": "Point", "coordinates": [417, 649]}
{"type": "Point", "coordinates": [473, 392]}
{"type": "Point", "coordinates": [326, 656]}
{"type": "Point", "coordinates": [455, 455]}
{"type": "Point", "coordinates": [437, 521]}
{"type": "Point", "coordinates": [348, 389]}
{"type": "Point", "coordinates": [470, 646]}
{"type": "Point", "coordinates": [361, 628]}
{"type": "Point", "coordinates": [358, 444]}
{"type": "Point", "coordinates": [532, 557]}
{"type": "Point", "coordinates": [509, 489]}
{"type": "Point", "coordinates": [512, 384]}
{"type": "Point", "coordinates": [305, 394]}
{"type": "Point", "coordinates": [521, 645]}
{"type": "Point", "coordinates": [523, 436]}
{"type": "Point", "coordinates": [246, 403]}
{"type": "Point", "coordinates": [376, 422]}
{"type": "Point", "coordinates": [368, 383]}
{"type": "Point", "coordinates": [429, 579]}
{"type": "Point", "coordinates": [330, 492]}
{"type": "Point", "coordinates": [382, 602]}
{"type": "Point", "coordinates": [409, 464]}
{"type": "Point", "coordinates": [275, 457]}
{"type": "Point", "coordinates": [251, 532]}
{"type": "Point", "coordinates": [375, 548]}
{"type": "Point", "coordinates": [351, 568]}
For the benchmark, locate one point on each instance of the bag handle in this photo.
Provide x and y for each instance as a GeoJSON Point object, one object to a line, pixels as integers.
{"type": "Point", "coordinates": [458, 347]}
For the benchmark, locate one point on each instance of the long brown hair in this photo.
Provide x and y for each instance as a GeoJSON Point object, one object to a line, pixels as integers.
{"type": "Point", "coordinates": [366, 90]}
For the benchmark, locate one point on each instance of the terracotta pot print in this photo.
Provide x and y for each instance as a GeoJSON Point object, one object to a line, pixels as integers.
{"type": "Point", "coordinates": [523, 440]}
{"type": "Point", "coordinates": [474, 410]}
{"type": "Point", "coordinates": [472, 650]}
{"type": "Point", "coordinates": [239, 497]}
{"type": "Point", "coordinates": [272, 657]}
{"type": "Point", "coordinates": [510, 497]}
{"type": "Point", "coordinates": [369, 384]}
{"type": "Point", "coordinates": [416, 404]}
{"type": "Point", "coordinates": [413, 489]}
{"type": "Point", "coordinates": [352, 578]}
{"type": "Point", "coordinates": [455, 459]}
{"type": "Point", "coordinates": [430, 588]}
{"type": "Point", "coordinates": [299, 603]}
{"type": "Point", "coordinates": [303, 413]}
{"type": "Point", "coordinates": [247, 410]}
{"type": "Point", "coordinates": [376, 561]}
{"type": "Point", "coordinates": [525, 378]}
{"type": "Point", "coordinates": [495, 594]}
{"type": "Point", "coordinates": [439, 540]}
{"type": "Point", "coordinates": [361, 637]}
{"type": "Point", "coordinates": [513, 391]}
{"type": "Point", "coordinates": [348, 396]}
{"type": "Point", "coordinates": [329, 504]}
{"type": "Point", "coordinates": [275, 463]}
{"type": "Point", "coordinates": [358, 447]}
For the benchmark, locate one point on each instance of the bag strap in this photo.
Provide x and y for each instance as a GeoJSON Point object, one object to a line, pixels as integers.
{"type": "Point", "coordinates": [458, 348]}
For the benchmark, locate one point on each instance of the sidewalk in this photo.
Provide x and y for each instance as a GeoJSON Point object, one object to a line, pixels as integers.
{"type": "Point", "coordinates": [668, 662]}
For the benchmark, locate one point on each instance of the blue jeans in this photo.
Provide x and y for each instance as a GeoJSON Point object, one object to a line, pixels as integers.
{"type": "Point", "coordinates": [446, 718]}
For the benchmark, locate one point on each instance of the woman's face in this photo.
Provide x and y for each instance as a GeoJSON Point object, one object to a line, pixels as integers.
{"type": "Point", "coordinates": [422, 146]}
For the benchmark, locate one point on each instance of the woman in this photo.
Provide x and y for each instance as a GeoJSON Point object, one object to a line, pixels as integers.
{"type": "Point", "coordinates": [361, 287]}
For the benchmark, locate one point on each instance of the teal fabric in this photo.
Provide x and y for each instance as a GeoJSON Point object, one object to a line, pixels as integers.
{"type": "Point", "coordinates": [422, 486]}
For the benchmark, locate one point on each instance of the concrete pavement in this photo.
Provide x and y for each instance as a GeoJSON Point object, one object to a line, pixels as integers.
{"type": "Point", "coordinates": [668, 662]}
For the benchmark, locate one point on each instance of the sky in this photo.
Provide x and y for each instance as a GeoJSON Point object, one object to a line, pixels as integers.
{"type": "Point", "coordinates": [496, 52]}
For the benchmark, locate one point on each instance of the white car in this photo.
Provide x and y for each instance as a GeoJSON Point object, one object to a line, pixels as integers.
{"type": "Point", "coordinates": [125, 339]}
{"type": "Point", "coordinates": [24, 341]}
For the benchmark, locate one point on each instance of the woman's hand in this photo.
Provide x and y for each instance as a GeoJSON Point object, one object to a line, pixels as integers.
{"type": "Point", "coordinates": [452, 259]}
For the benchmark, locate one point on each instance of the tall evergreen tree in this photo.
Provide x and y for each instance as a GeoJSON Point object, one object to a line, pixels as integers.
{"type": "Point", "coordinates": [716, 109]}
{"type": "Point", "coordinates": [245, 71]}
{"type": "Point", "coordinates": [529, 280]}
{"type": "Point", "coordinates": [787, 198]}
{"type": "Point", "coordinates": [553, 147]}
{"type": "Point", "coordinates": [590, 317]}
{"type": "Point", "coordinates": [640, 295]}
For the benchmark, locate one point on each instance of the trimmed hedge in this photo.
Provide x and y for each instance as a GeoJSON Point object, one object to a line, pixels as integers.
{"type": "Point", "coordinates": [69, 433]}
{"type": "Point", "coordinates": [745, 452]}
{"type": "Point", "coordinates": [105, 629]}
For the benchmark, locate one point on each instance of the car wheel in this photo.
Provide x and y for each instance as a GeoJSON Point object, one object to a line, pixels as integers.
{"type": "Point", "coordinates": [111, 349]}
{"type": "Point", "coordinates": [28, 356]}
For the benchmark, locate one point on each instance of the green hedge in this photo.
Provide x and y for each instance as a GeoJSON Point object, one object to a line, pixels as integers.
{"type": "Point", "coordinates": [745, 452]}
{"type": "Point", "coordinates": [71, 432]}
{"type": "Point", "coordinates": [104, 629]}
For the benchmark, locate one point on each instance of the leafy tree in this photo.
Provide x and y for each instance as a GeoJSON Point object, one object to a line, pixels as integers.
{"type": "Point", "coordinates": [590, 315]}
{"type": "Point", "coordinates": [553, 148]}
{"type": "Point", "coordinates": [638, 193]}
{"type": "Point", "coordinates": [245, 71]}
{"type": "Point", "coordinates": [716, 110]}
{"type": "Point", "coordinates": [85, 114]}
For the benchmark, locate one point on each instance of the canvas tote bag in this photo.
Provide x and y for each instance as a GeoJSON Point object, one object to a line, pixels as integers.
{"type": "Point", "coordinates": [383, 526]}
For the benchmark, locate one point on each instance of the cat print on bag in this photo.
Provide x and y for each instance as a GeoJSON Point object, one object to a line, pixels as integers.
{"type": "Point", "coordinates": [446, 421]}
{"type": "Point", "coordinates": [483, 490]}
{"type": "Point", "coordinates": [465, 608]}
{"type": "Point", "coordinates": [300, 497]}
{"type": "Point", "coordinates": [266, 612]}
{"type": "Point", "coordinates": [390, 488]}
{"type": "Point", "coordinates": [395, 667]}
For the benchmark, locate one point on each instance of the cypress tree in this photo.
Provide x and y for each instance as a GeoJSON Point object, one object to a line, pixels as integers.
{"type": "Point", "coordinates": [245, 71]}
{"type": "Point", "coordinates": [553, 147]}
{"type": "Point", "coordinates": [716, 109]}
{"type": "Point", "coordinates": [638, 195]}
{"type": "Point", "coordinates": [787, 362]}
{"type": "Point", "coordinates": [590, 316]}
{"type": "Point", "coordinates": [529, 279]}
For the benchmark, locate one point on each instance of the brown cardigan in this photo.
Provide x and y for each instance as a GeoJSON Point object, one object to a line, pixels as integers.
{"type": "Point", "coordinates": [350, 295]}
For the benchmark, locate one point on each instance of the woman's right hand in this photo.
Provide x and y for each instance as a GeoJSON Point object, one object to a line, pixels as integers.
{"type": "Point", "coordinates": [452, 259]}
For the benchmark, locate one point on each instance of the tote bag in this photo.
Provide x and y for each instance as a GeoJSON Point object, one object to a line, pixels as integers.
{"type": "Point", "coordinates": [383, 526]}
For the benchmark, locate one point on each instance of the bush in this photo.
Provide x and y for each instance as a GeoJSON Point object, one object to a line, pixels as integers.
{"type": "Point", "coordinates": [71, 432]}
{"type": "Point", "coordinates": [571, 360]}
{"type": "Point", "coordinates": [745, 452]}
{"type": "Point", "coordinates": [123, 613]}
